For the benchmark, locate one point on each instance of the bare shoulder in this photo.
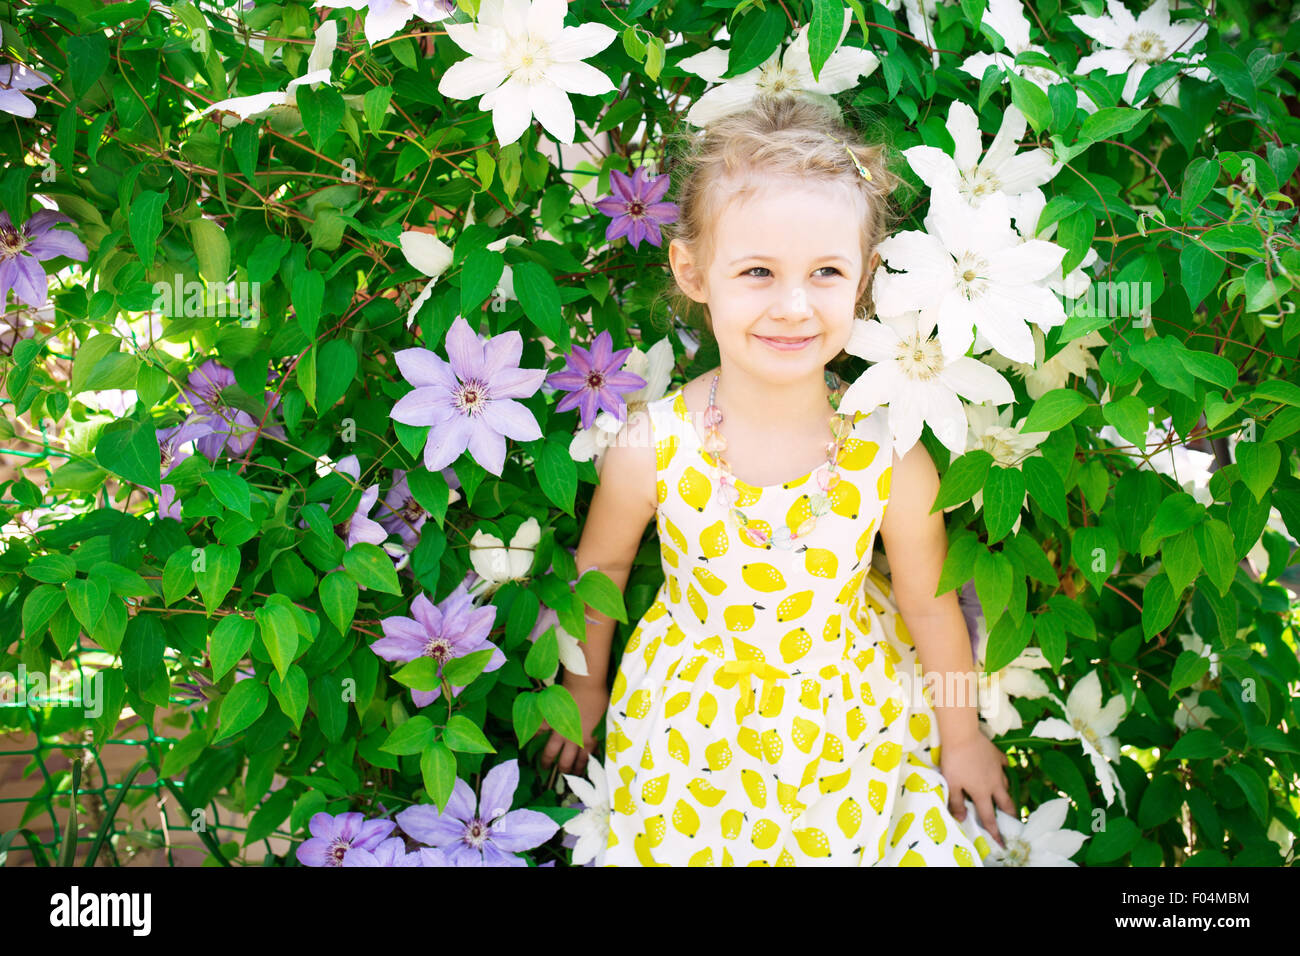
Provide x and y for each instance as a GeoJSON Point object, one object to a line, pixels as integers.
{"type": "Point", "coordinates": [628, 467]}
{"type": "Point", "coordinates": [914, 486]}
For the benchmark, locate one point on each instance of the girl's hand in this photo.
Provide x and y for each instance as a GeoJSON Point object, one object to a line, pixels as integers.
{"type": "Point", "coordinates": [975, 765]}
{"type": "Point", "coordinates": [592, 702]}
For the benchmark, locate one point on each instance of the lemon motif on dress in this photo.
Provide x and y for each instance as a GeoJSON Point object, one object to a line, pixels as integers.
{"type": "Point", "coordinates": [685, 820]}
{"type": "Point", "coordinates": [754, 786]}
{"type": "Point", "coordinates": [664, 451]}
{"type": "Point", "coordinates": [886, 756]}
{"type": "Point", "coordinates": [678, 748]}
{"type": "Point", "coordinates": [795, 644]}
{"type": "Point", "coordinates": [694, 488]}
{"type": "Point", "coordinates": [845, 499]}
{"type": "Point", "coordinates": [934, 826]}
{"type": "Point", "coordinates": [882, 484]}
{"type": "Point", "coordinates": [677, 703]}
{"type": "Point", "coordinates": [813, 842]}
{"type": "Point", "coordinates": [638, 705]}
{"type": "Point", "coordinates": [708, 710]}
{"type": "Point", "coordinates": [676, 536]}
{"type": "Point", "coordinates": [762, 576]}
{"type": "Point", "coordinates": [876, 794]}
{"type": "Point", "coordinates": [696, 601]}
{"type": "Point", "coordinates": [747, 740]}
{"type": "Point", "coordinates": [718, 754]}
{"type": "Point", "coordinates": [739, 617]}
{"type": "Point", "coordinates": [849, 817]}
{"type": "Point", "coordinates": [794, 606]}
{"type": "Point", "coordinates": [858, 454]}
{"type": "Point", "coordinates": [820, 562]}
{"type": "Point", "coordinates": [732, 823]}
{"type": "Point", "coordinates": [703, 858]}
{"type": "Point", "coordinates": [799, 512]}
{"type": "Point", "coordinates": [705, 792]}
{"type": "Point", "coordinates": [652, 791]}
{"type": "Point", "coordinates": [709, 581]}
{"type": "Point", "coordinates": [764, 834]}
{"type": "Point", "coordinates": [714, 541]}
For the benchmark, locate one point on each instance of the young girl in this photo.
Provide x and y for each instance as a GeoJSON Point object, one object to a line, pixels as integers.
{"type": "Point", "coordinates": [763, 713]}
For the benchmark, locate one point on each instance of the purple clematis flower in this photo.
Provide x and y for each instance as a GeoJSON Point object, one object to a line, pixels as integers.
{"type": "Point", "coordinates": [469, 402]}
{"type": "Point", "coordinates": [170, 441]}
{"type": "Point", "coordinates": [361, 527]}
{"type": "Point", "coordinates": [391, 852]}
{"type": "Point", "coordinates": [451, 629]}
{"type": "Point", "coordinates": [593, 378]}
{"type": "Point", "coordinates": [14, 78]}
{"type": "Point", "coordinates": [23, 249]}
{"type": "Point", "coordinates": [402, 514]}
{"type": "Point", "coordinates": [634, 207]}
{"type": "Point", "coordinates": [226, 429]}
{"type": "Point", "coordinates": [490, 835]}
{"type": "Point", "coordinates": [333, 838]}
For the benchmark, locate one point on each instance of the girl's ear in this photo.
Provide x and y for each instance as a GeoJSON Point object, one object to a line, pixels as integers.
{"type": "Point", "coordinates": [867, 273]}
{"type": "Point", "coordinates": [684, 270]}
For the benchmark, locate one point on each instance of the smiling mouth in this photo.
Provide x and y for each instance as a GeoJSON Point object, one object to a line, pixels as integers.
{"type": "Point", "coordinates": [786, 338]}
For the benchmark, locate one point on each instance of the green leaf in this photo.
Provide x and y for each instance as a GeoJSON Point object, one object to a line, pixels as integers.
{"type": "Point", "coordinates": [431, 492]}
{"type": "Point", "coordinates": [1180, 560]}
{"type": "Point", "coordinates": [279, 633]}
{"type": "Point", "coordinates": [291, 693]}
{"type": "Point", "coordinates": [1209, 367]}
{"type": "Point", "coordinates": [1188, 669]}
{"type": "Point", "coordinates": [543, 657]}
{"type": "Point", "coordinates": [1049, 629]}
{"type": "Point", "coordinates": [39, 607]}
{"type": "Point", "coordinates": [308, 294]}
{"type": "Point", "coordinates": [1253, 786]}
{"type": "Point", "coordinates": [130, 449]}
{"type": "Point", "coordinates": [1159, 605]}
{"type": "Point", "coordinates": [1119, 836]}
{"type": "Point", "coordinates": [1201, 270]}
{"type": "Point", "coordinates": [964, 477]}
{"type": "Point", "coordinates": [557, 474]}
{"type": "Point", "coordinates": [1177, 512]}
{"type": "Point", "coordinates": [142, 659]}
{"type": "Point", "coordinates": [1214, 544]}
{"type": "Point", "coordinates": [1128, 416]}
{"type": "Point", "coordinates": [89, 355]}
{"type": "Point", "coordinates": [211, 248]}
{"type": "Point", "coordinates": [1198, 179]}
{"type": "Point", "coordinates": [541, 301]}
{"type": "Point", "coordinates": [561, 712]}
{"type": "Point", "coordinates": [1258, 463]}
{"type": "Point", "coordinates": [1007, 640]}
{"type": "Point", "coordinates": [824, 33]}
{"type": "Point", "coordinates": [597, 590]}
{"type": "Point", "coordinates": [1044, 485]}
{"type": "Point", "coordinates": [419, 674]}
{"type": "Point", "coordinates": [1109, 121]}
{"type": "Point", "coordinates": [527, 718]}
{"type": "Point", "coordinates": [232, 491]}
{"type": "Point", "coordinates": [184, 752]}
{"type": "Point", "coordinates": [1054, 410]}
{"type": "Point", "coordinates": [52, 568]}
{"type": "Point", "coordinates": [463, 735]}
{"type": "Point", "coordinates": [754, 39]}
{"type": "Point", "coordinates": [1197, 745]}
{"type": "Point", "coordinates": [992, 583]}
{"type": "Point", "coordinates": [462, 671]}
{"type": "Point", "coordinates": [338, 598]}
{"type": "Point", "coordinates": [322, 111]}
{"type": "Point", "coordinates": [231, 639]}
{"type": "Point", "coordinates": [438, 769]}
{"type": "Point", "coordinates": [480, 275]}
{"type": "Point", "coordinates": [144, 222]}
{"type": "Point", "coordinates": [1095, 550]}
{"type": "Point", "coordinates": [88, 599]}
{"type": "Point", "coordinates": [1277, 390]}
{"type": "Point", "coordinates": [245, 703]}
{"type": "Point", "coordinates": [336, 369]}
{"type": "Point", "coordinates": [178, 576]}
{"type": "Point", "coordinates": [219, 569]}
{"type": "Point", "coordinates": [370, 567]}
{"type": "Point", "coordinates": [1004, 496]}
{"type": "Point", "coordinates": [1031, 101]}
{"type": "Point", "coordinates": [411, 737]}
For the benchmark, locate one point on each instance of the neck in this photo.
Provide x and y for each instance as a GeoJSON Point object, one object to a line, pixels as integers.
{"type": "Point", "coordinates": [753, 401]}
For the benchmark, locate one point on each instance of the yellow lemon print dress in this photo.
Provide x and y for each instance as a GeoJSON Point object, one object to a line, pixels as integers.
{"type": "Point", "coordinates": [765, 712]}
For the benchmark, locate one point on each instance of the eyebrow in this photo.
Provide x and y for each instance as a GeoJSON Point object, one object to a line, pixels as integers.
{"type": "Point", "coordinates": [763, 258]}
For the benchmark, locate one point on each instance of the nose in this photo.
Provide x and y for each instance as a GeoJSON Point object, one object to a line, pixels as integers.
{"type": "Point", "coordinates": [796, 302]}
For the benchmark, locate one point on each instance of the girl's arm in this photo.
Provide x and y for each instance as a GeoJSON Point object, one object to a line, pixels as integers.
{"type": "Point", "coordinates": [624, 502]}
{"type": "Point", "coordinates": [917, 544]}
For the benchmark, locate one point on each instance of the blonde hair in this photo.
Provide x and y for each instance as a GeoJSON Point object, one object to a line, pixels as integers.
{"type": "Point", "coordinates": [784, 136]}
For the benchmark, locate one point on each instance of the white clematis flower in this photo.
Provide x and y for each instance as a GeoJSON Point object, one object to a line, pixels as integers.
{"type": "Point", "coordinates": [1072, 360]}
{"type": "Point", "coordinates": [591, 826]}
{"type": "Point", "coordinates": [1093, 725]}
{"type": "Point", "coordinates": [790, 73]}
{"type": "Point", "coordinates": [386, 17]}
{"type": "Point", "coordinates": [1133, 46]}
{"type": "Point", "coordinates": [1167, 454]}
{"type": "Point", "coordinates": [495, 563]}
{"type": "Point", "coordinates": [1017, 679]}
{"type": "Point", "coordinates": [283, 104]}
{"type": "Point", "coordinates": [1007, 17]}
{"type": "Point", "coordinates": [656, 367]}
{"type": "Point", "coordinates": [1039, 841]}
{"type": "Point", "coordinates": [432, 256]}
{"type": "Point", "coordinates": [969, 270]}
{"type": "Point", "coordinates": [911, 373]}
{"type": "Point", "coordinates": [1001, 169]}
{"type": "Point", "coordinates": [524, 62]}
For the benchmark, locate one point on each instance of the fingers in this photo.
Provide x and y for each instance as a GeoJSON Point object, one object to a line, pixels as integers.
{"type": "Point", "coordinates": [956, 804]}
{"type": "Point", "coordinates": [988, 819]}
{"type": "Point", "coordinates": [553, 747]}
{"type": "Point", "coordinates": [1005, 802]}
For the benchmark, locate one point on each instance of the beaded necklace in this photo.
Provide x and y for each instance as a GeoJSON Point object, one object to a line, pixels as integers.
{"type": "Point", "coordinates": [819, 502]}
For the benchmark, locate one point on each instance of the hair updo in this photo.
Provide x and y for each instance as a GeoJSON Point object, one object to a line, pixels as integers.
{"type": "Point", "coordinates": [736, 155]}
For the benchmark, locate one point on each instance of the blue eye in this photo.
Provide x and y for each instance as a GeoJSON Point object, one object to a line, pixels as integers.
{"type": "Point", "coordinates": [765, 269]}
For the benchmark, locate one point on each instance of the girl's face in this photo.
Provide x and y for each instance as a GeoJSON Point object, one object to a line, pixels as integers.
{"type": "Point", "coordinates": [785, 277]}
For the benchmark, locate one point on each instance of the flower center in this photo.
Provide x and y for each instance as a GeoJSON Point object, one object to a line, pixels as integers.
{"type": "Point", "coordinates": [779, 79]}
{"type": "Point", "coordinates": [439, 648]}
{"type": "Point", "coordinates": [920, 360]}
{"type": "Point", "coordinates": [978, 182]}
{"type": "Point", "coordinates": [338, 851]}
{"type": "Point", "coordinates": [1145, 46]}
{"type": "Point", "coordinates": [12, 241]}
{"type": "Point", "coordinates": [635, 208]}
{"type": "Point", "coordinates": [970, 268]}
{"type": "Point", "coordinates": [1003, 452]}
{"type": "Point", "coordinates": [476, 833]}
{"type": "Point", "coordinates": [526, 58]}
{"type": "Point", "coordinates": [472, 397]}
{"type": "Point", "coordinates": [595, 380]}
{"type": "Point", "coordinates": [411, 511]}
{"type": "Point", "coordinates": [1090, 734]}
{"type": "Point", "coordinates": [1016, 853]}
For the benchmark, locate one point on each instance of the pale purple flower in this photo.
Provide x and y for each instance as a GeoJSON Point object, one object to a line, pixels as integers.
{"type": "Point", "coordinates": [170, 441]}
{"type": "Point", "coordinates": [444, 631]}
{"type": "Point", "coordinates": [469, 402]}
{"type": "Point", "coordinates": [205, 385]}
{"type": "Point", "coordinates": [23, 249]}
{"type": "Point", "coordinates": [225, 429]}
{"type": "Point", "coordinates": [334, 837]}
{"type": "Point", "coordinates": [971, 609]}
{"type": "Point", "coordinates": [391, 852]}
{"type": "Point", "coordinates": [635, 208]}
{"type": "Point", "coordinates": [361, 527]}
{"type": "Point", "coordinates": [594, 380]}
{"type": "Point", "coordinates": [402, 514]}
{"type": "Point", "coordinates": [489, 835]}
{"type": "Point", "coordinates": [14, 78]}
